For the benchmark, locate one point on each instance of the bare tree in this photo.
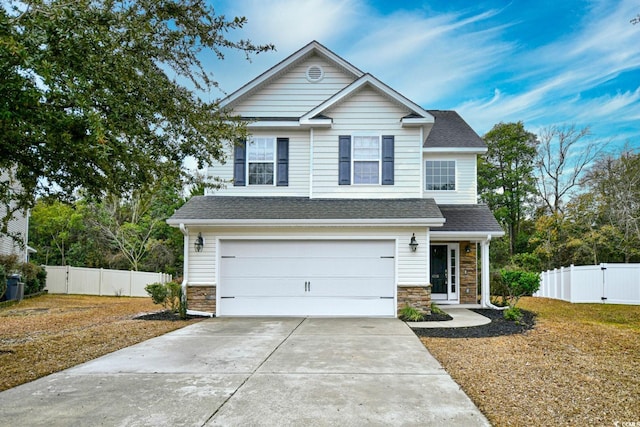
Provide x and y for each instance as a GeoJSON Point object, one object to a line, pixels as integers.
{"type": "Point", "coordinates": [563, 154]}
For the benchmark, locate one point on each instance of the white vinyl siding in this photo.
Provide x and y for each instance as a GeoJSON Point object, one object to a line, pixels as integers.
{"type": "Point", "coordinates": [201, 268]}
{"type": "Point", "coordinates": [466, 183]}
{"type": "Point", "coordinates": [292, 95]}
{"type": "Point", "coordinates": [411, 267]}
{"type": "Point", "coordinates": [362, 113]}
{"type": "Point", "coordinates": [298, 169]}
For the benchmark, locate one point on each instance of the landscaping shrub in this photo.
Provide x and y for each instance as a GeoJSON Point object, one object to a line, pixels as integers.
{"type": "Point", "coordinates": [410, 314]}
{"type": "Point", "coordinates": [519, 283]}
{"type": "Point", "coordinates": [513, 313]}
{"type": "Point", "coordinates": [33, 276]}
{"type": "Point", "coordinates": [169, 295]}
{"type": "Point", "coordinates": [499, 292]}
{"type": "Point", "coordinates": [158, 293]}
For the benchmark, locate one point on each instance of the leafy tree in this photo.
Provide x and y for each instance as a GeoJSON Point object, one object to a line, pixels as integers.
{"type": "Point", "coordinates": [54, 227]}
{"type": "Point", "coordinates": [100, 95]}
{"type": "Point", "coordinates": [505, 175]}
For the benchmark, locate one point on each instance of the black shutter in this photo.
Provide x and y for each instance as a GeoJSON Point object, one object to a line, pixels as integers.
{"type": "Point", "coordinates": [344, 160]}
{"type": "Point", "coordinates": [387, 160]}
{"type": "Point", "coordinates": [240, 164]}
{"type": "Point", "coordinates": [283, 161]}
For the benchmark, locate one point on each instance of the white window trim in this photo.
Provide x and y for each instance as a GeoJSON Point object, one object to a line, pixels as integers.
{"type": "Point", "coordinates": [274, 161]}
{"type": "Point", "coordinates": [424, 179]}
{"type": "Point", "coordinates": [353, 159]}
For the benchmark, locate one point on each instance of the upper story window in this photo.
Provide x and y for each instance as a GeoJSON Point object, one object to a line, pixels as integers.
{"type": "Point", "coordinates": [440, 175]}
{"type": "Point", "coordinates": [366, 160]}
{"type": "Point", "coordinates": [261, 160]}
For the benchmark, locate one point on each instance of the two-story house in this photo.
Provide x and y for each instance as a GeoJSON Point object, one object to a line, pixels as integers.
{"type": "Point", "coordinates": [347, 199]}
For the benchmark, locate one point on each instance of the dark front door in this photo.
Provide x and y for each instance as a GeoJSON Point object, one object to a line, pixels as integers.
{"type": "Point", "coordinates": [439, 269]}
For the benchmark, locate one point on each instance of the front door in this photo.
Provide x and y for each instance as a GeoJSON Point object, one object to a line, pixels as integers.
{"type": "Point", "coordinates": [439, 270]}
{"type": "Point", "coordinates": [444, 272]}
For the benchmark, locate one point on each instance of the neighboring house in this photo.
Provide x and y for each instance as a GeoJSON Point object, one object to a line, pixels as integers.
{"type": "Point", "coordinates": [17, 237]}
{"type": "Point", "coordinates": [339, 175]}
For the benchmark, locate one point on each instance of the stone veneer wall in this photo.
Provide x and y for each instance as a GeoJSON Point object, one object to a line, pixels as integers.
{"type": "Point", "coordinates": [468, 274]}
{"type": "Point", "coordinates": [418, 297]}
{"type": "Point", "coordinates": [201, 298]}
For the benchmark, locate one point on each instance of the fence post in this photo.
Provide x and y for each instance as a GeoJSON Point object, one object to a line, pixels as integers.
{"type": "Point", "coordinates": [100, 281]}
{"type": "Point", "coordinates": [66, 280]}
{"type": "Point", "coordinates": [130, 283]}
{"type": "Point", "coordinates": [571, 283]}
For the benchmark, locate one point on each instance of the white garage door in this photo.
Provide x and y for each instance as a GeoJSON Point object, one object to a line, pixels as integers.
{"type": "Point", "coordinates": [307, 278]}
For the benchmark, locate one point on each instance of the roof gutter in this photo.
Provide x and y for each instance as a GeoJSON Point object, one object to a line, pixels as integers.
{"type": "Point", "coordinates": [357, 222]}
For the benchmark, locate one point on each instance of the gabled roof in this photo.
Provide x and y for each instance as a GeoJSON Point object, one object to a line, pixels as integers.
{"type": "Point", "coordinates": [418, 114]}
{"type": "Point", "coordinates": [229, 210]}
{"type": "Point", "coordinates": [451, 131]}
{"type": "Point", "coordinates": [312, 48]}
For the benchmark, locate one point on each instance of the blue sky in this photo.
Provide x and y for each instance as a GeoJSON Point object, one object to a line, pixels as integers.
{"type": "Point", "coordinates": [541, 62]}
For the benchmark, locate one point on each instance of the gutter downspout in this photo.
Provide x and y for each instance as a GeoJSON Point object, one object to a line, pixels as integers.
{"type": "Point", "coordinates": [185, 270]}
{"type": "Point", "coordinates": [486, 277]}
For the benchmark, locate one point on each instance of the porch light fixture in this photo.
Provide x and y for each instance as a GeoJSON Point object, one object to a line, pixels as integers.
{"type": "Point", "coordinates": [467, 248]}
{"type": "Point", "coordinates": [199, 243]}
{"type": "Point", "coordinates": [413, 244]}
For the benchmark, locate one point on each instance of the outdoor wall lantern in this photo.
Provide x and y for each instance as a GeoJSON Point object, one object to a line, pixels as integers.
{"type": "Point", "coordinates": [199, 243]}
{"type": "Point", "coordinates": [467, 248]}
{"type": "Point", "coordinates": [413, 244]}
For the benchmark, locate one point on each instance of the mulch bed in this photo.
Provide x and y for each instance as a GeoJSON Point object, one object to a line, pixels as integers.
{"type": "Point", "coordinates": [164, 315]}
{"type": "Point", "coordinates": [437, 317]}
{"type": "Point", "coordinates": [499, 326]}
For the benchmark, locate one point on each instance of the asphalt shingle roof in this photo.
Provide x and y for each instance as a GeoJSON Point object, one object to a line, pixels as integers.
{"type": "Point", "coordinates": [301, 208]}
{"type": "Point", "coordinates": [450, 130]}
{"type": "Point", "coordinates": [459, 218]}
{"type": "Point", "coordinates": [469, 218]}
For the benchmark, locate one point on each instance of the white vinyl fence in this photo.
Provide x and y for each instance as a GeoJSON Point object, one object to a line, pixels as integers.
{"type": "Point", "coordinates": [99, 281]}
{"type": "Point", "coordinates": [604, 283]}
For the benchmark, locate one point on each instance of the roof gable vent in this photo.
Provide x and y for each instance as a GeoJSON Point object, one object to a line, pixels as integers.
{"type": "Point", "coordinates": [314, 73]}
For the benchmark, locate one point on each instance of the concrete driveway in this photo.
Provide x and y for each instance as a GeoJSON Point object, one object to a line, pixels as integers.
{"type": "Point", "coordinates": [248, 371]}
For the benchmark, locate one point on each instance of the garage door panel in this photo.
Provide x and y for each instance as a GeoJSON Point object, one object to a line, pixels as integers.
{"type": "Point", "coordinates": [307, 249]}
{"type": "Point", "coordinates": [262, 277]}
{"type": "Point", "coordinates": [357, 287]}
{"type": "Point", "coordinates": [263, 287]}
{"type": "Point", "coordinates": [273, 306]}
{"type": "Point", "coordinates": [305, 267]}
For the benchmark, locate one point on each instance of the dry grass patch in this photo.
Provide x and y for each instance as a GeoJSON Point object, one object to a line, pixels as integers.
{"type": "Point", "coordinates": [579, 366]}
{"type": "Point", "coordinates": [50, 333]}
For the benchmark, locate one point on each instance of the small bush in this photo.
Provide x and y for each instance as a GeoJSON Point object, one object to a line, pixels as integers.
{"type": "Point", "coordinates": [410, 314]}
{"type": "Point", "coordinates": [31, 276]}
{"type": "Point", "coordinates": [519, 283]}
{"type": "Point", "coordinates": [169, 295]}
{"type": "Point", "coordinates": [513, 313]}
{"type": "Point", "coordinates": [437, 310]}
{"type": "Point", "coordinates": [158, 293]}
